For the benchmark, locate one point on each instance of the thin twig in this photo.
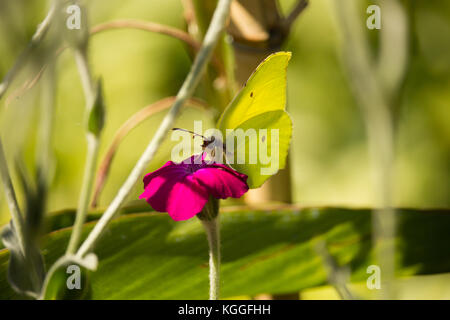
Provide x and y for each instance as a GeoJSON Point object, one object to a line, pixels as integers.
{"type": "Point", "coordinates": [187, 89]}
{"type": "Point", "coordinates": [295, 12]}
{"type": "Point", "coordinates": [157, 28]}
{"type": "Point", "coordinates": [124, 130]}
{"type": "Point", "coordinates": [148, 26]}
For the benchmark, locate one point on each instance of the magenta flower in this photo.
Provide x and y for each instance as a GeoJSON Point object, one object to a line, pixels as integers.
{"type": "Point", "coordinates": [182, 190]}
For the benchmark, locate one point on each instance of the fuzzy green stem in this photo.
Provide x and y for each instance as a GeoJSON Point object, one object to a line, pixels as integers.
{"type": "Point", "coordinates": [41, 30]}
{"type": "Point", "coordinates": [86, 191]}
{"type": "Point", "coordinates": [212, 228]}
{"type": "Point", "coordinates": [91, 156]}
{"type": "Point", "coordinates": [187, 89]}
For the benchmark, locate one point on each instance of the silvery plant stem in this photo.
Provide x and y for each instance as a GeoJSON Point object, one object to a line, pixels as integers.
{"type": "Point", "coordinates": [187, 89]}
{"type": "Point", "coordinates": [212, 228]}
{"type": "Point", "coordinates": [92, 152]}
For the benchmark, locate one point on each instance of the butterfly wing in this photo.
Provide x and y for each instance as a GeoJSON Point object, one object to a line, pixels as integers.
{"type": "Point", "coordinates": [258, 124]}
{"type": "Point", "coordinates": [264, 91]}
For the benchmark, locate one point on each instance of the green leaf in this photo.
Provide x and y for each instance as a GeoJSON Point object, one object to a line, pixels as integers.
{"type": "Point", "coordinates": [264, 91]}
{"type": "Point", "coordinates": [66, 218]}
{"type": "Point", "coordinates": [149, 256]}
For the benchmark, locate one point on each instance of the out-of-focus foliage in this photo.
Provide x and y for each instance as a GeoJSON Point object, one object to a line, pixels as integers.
{"type": "Point", "coordinates": [329, 149]}
{"type": "Point", "coordinates": [330, 166]}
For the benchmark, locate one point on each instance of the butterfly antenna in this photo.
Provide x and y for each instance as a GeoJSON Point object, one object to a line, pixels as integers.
{"type": "Point", "coordinates": [191, 132]}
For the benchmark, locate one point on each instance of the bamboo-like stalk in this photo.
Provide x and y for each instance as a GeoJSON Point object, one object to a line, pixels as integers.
{"type": "Point", "coordinates": [373, 94]}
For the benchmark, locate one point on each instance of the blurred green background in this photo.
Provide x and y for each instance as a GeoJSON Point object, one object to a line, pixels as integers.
{"type": "Point", "coordinates": [329, 149]}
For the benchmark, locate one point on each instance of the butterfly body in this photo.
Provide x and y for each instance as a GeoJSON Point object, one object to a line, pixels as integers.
{"type": "Point", "coordinates": [257, 119]}
{"type": "Point", "coordinates": [209, 144]}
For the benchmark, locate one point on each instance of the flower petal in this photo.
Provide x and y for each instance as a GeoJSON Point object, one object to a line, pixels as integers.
{"type": "Point", "coordinates": [169, 165]}
{"type": "Point", "coordinates": [232, 171]}
{"type": "Point", "coordinates": [182, 190]}
{"type": "Point", "coordinates": [221, 181]}
{"type": "Point", "coordinates": [187, 198]}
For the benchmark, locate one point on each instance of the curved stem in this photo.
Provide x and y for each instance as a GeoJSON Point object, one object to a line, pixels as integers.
{"type": "Point", "coordinates": [157, 28]}
{"type": "Point", "coordinates": [55, 266]}
{"type": "Point", "coordinates": [124, 130]}
{"type": "Point", "coordinates": [212, 228]}
{"type": "Point", "coordinates": [185, 92]}
{"type": "Point", "coordinates": [89, 263]}
{"type": "Point", "coordinates": [148, 26]}
{"type": "Point", "coordinates": [295, 12]}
